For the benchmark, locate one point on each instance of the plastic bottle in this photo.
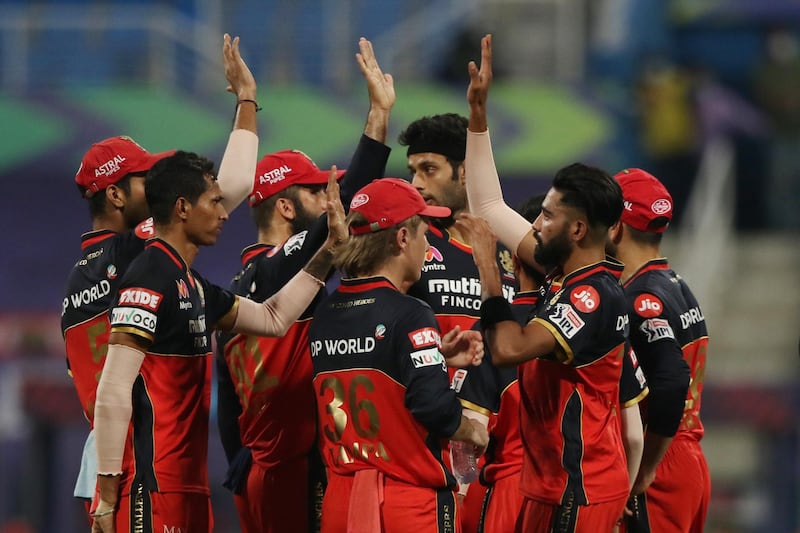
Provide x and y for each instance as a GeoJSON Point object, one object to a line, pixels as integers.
{"type": "Point", "coordinates": [465, 464]}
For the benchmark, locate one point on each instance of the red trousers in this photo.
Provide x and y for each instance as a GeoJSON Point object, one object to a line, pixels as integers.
{"type": "Point", "coordinates": [275, 500]}
{"type": "Point", "coordinates": [537, 517]}
{"type": "Point", "coordinates": [677, 501]}
{"type": "Point", "coordinates": [402, 507]}
{"type": "Point", "coordinates": [158, 512]}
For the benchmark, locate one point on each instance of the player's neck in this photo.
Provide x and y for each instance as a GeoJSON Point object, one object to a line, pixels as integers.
{"type": "Point", "coordinates": [583, 257]}
{"type": "Point", "coordinates": [635, 256]}
{"type": "Point", "coordinates": [111, 222]}
{"type": "Point", "coordinates": [274, 236]}
{"type": "Point", "coordinates": [177, 239]}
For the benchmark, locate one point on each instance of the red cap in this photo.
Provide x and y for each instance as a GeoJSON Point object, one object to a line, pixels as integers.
{"type": "Point", "coordinates": [112, 159]}
{"type": "Point", "coordinates": [646, 200]}
{"type": "Point", "coordinates": [389, 201]}
{"type": "Point", "coordinates": [275, 172]}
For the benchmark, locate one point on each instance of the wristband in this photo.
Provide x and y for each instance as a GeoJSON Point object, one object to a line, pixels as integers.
{"type": "Point", "coordinates": [495, 309]}
{"type": "Point", "coordinates": [243, 100]}
{"type": "Point", "coordinates": [101, 514]}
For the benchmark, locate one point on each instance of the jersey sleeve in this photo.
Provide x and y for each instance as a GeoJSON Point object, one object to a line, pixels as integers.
{"type": "Point", "coordinates": [228, 406]}
{"type": "Point", "coordinates": [143, 300]}
{"type": "Point", "coordinates": [423, 372]}
{"type": "Point", "coordinates": [633, 384]}
{"type": "Point", "coordinates": [661, 357]}
{"type": "Point", "coordinates": [575, 320]}
{"type": "Point", "coordinates": [219, 301]}
{"type": "Point", "coordinates": [368, 163]}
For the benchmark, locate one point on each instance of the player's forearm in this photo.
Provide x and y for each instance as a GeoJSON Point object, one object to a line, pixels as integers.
{"type": "Point", "coordinates": [238, 167]}
{"type": "Point", "coordinates": [655, 446]}
{"type": "Point", "coordinates": [484, 195]}
{"type": "Point", "coordinates": [377, 126]}
{"type": "Point", "coordinates": [274, 317]}
{"type": "Point", "coordinates": [632, 440]}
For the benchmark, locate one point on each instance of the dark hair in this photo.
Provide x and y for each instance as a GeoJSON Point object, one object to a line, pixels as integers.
{"type": "Point", "coordinates": [594, 192]}
{"type": "Point", "coordinates": [262, 213]}
{"type": "Point", "coordinates": [444, 134]}
{"type": "Point", "coordinates": [181, 175]}
{"type": "Point", "coordinates": [530, 210]}
{"type": "Point", "coordinates": [97, 201]}
{"type": "Point", "coordinates": [644, 237]}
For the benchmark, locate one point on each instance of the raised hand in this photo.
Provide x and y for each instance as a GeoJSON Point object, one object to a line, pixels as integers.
{"type": "Point", "coordinates": [478, 91]}
{"type": "Point", "coordinates": [381, 92]}
{"type": "Point", "coordinates": [462, 348]}
{"type": "Point", "coordinates": [379, 85]}
{"type": "Point", "coordinates": [240, 80]}
{"type": "Point", "coordinates": [337, 227]}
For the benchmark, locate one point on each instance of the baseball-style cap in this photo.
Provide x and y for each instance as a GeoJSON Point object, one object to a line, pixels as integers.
{"type": "Point", "coordinates": [648, 204]}
{"type": "Point", "coordinates": [389, 201]}
{"type": "Point", "coordinates": [112, 159]}
{"type": "Point", "coordinates": [275, 172]}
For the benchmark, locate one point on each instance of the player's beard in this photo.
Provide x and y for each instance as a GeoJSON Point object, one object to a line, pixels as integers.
{"type": "Point", "coordinates": [454, 197]}
{"type": "Point", "coordinates": [553, 254]}
{"type": "Point", "coordinates": [303, 218]}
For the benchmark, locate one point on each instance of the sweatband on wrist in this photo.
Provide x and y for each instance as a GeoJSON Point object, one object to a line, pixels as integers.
{"type": "Point", "coordinates": [495, 309]}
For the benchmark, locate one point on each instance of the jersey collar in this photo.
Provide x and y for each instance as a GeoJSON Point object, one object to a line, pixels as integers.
{"type": "Point", "coordinates": [254, 250]}
{"type": "Point", "coordinates": [90, 238]}
{"type": "Point", "coordinates": [610, 265]}
{"type": "Point", "coordinates": [351, 285]}
{"type": "Point", "coordinates": [659, 263]}
{"type": "Point", "coordinates": [155, 242]}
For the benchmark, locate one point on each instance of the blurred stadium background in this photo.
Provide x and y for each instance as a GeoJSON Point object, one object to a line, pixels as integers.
{"type": "Point", "coordinates": [704, 93]}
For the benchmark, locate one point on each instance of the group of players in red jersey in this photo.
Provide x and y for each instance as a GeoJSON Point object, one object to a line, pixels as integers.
{"type": "Point", "coordinates": [336, 412]}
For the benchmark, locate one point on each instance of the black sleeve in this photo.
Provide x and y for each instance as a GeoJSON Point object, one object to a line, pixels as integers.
{"type": "Point", "coordinates": [661, 357]}
{"type": "Point", "coordinates": [477, 387]}
{"type": "Point", "coordinates": [668, 379]}
{"type": "Point", "coordinates": [219, 301]}
{"type": "Point", "coordinates": [228, 406]}
{"type": "Point", "coordinates": [424, 373]}
{"type": "Point", "coordinates": [368, 163]}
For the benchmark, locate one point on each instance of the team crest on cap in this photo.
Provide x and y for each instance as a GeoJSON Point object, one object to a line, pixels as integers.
{"type": "Point", "coordinates": [661, 206]}
{"type": "Point", "coordinates": [359, 200]}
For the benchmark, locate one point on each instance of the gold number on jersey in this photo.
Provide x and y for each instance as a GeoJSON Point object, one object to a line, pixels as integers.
{"type": "Point", "coordinates": [246, 387]}
{"type": "Point", "coordinates": [355, 406]}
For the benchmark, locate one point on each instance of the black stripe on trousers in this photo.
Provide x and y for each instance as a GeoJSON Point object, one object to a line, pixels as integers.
{"type": "Point", "coordinates": [141, 510]}
{"type": "Point", "coordinates": [445, 511]}
{"type": "Point", "coordinates": [487, 497]}
{"type": "Point", "coordinates": [639, 522]}
{"type": "Point", "coordinates": [566, 516]}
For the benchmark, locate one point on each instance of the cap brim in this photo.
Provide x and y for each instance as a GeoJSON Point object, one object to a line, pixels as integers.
{"type": "Point", "coordinates": [318, 178]}
{"type": "Point", "coordinates": [147, 162]}
{"type": "Point", "coordinates": [435, 211]}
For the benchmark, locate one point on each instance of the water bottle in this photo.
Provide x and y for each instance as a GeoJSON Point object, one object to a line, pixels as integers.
{"type": "Point", "coordinates": [465, 464]}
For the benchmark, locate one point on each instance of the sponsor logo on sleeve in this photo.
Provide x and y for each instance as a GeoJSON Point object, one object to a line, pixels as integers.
{"type": "Point", "coordinates": [639, 373]}
{"type": "Point", "coordinates": [657, 329]}
{"type": "Point", "coordinates": [141, 297]}
{"type": "Point", "coordinates": [647, 305]}
{"type": "Point", "coordinates": [459, 377]}
{"type": "Point", "coordinates": [134, 316]}
{"type": "Point", "coordinates": [380, 331]}
{"type": "Point", "coordinates": [428, 357]}
{"type": "Point", "coordinates": [295, 242]}
{"type": "Point", "coordinates": [424, 337]}
{"type": "Point", "coordinates": [566, 319]}
{"type": "Point", "coordinates": [183, 290]}
{"type": "Point", "coordinates": [585, 298]}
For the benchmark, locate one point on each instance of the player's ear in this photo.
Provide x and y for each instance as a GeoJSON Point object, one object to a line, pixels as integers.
{"type": "Point", "coordinates": [579, 229]}
{"type": "Point", "coordinates": [115, 196]}
{"type": "Point", "coordinates": [182, 208]}
{"type": "Point", "coordinates": [403, 237]}
{"type": "Point", "coordinates": [285, 207]}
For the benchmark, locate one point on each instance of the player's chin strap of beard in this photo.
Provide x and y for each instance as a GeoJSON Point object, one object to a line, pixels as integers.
{"type": "Point", "coordinates": [366, 495]}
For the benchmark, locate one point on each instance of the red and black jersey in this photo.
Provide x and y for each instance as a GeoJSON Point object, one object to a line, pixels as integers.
{"type": "Point", "coordinates": [265, 395]}
{"type": "Point", "coordinates": [91, 286]}
{"type": "Point", "coordinates": [271, 376]}
{"type": "Point", "coordinates": [570, 399]}
{"type": "Point", "coordinates": [667, 322]}
{"type": "Point", "coordinates": [383, 396]}
{"type": "Point", "coordinates": [494, 391]}
{"type": "Point", "coordinates": [450, 282]}
{"type": "Point", "coordinates": [163, 301]}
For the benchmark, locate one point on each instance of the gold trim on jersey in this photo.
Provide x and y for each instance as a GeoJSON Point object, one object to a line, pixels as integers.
{"type": "Point", "coordinates": [564, 355]}
{"type": "Point", "coordinates": [474, 407]}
